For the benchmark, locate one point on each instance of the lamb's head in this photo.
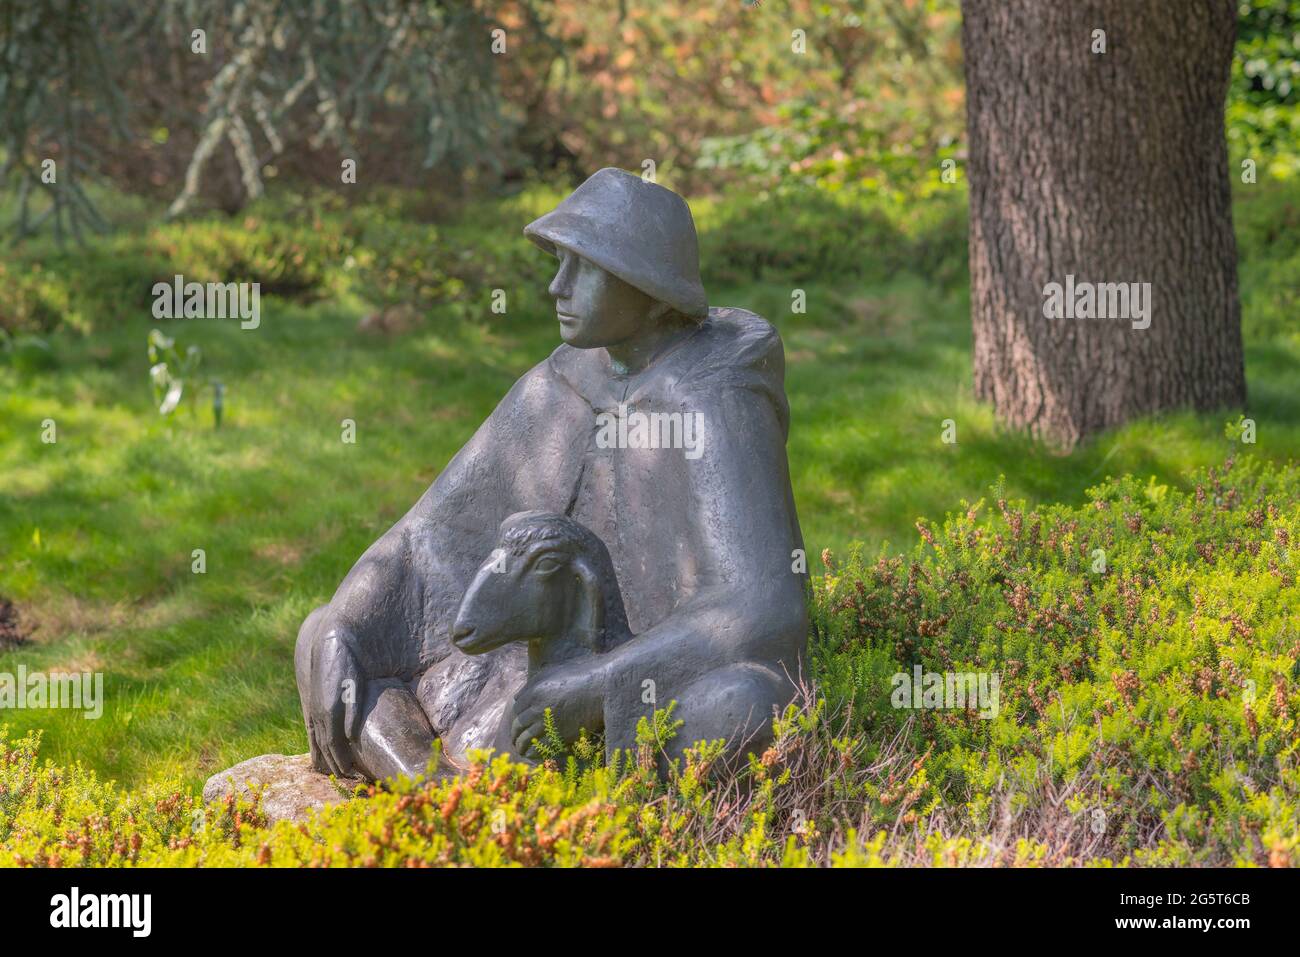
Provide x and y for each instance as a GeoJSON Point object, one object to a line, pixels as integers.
{"type": "Point", "coordinates": [549, 581]}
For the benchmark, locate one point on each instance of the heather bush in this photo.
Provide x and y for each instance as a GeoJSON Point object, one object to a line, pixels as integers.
{"type": "Point", "coordinates": [1147, 644]}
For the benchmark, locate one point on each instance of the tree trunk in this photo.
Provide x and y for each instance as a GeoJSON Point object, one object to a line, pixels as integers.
{"type": "Point", "coordinates": [1108, 168]}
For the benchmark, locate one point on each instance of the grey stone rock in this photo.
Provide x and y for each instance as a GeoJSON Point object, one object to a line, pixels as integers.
{"type": "Point", "coordinates": [292, 788]}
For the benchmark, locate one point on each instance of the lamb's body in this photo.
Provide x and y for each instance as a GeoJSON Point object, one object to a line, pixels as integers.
{"type": "Point", "coordinates": [550, 582]}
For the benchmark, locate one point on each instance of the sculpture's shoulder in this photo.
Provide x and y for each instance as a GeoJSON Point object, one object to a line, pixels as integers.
{"type": "Point", "coordinates": [735, 353]}
{"type": "Point", "coordinates": [539, 389]}
{"type": "Point", "coordinates": [734, 340]}
{"type": "Point", "coordinates": [732, 348]}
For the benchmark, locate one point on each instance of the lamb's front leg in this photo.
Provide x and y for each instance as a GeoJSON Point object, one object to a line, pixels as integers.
{"type": "Point", "coordinates": [575, 693]}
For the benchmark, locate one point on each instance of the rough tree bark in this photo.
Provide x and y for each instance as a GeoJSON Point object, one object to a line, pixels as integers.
{"type": "Point", "coordinates": [1111, 167]}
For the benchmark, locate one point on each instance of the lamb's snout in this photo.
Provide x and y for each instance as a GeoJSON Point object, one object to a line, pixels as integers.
{"type": "Point", "coordinates": [462, 635]}
{"type": "Point", "coordinates": [467, 636]}
{"type": "Point", "coordinates": [467, 633]}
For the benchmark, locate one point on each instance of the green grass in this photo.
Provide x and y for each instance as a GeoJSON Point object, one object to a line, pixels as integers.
{"type": "Point", "coordinates": [97, 530]}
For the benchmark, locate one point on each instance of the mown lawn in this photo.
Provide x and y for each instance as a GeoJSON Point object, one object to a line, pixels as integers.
{"type": "Point", "coordinates": [97, 530]}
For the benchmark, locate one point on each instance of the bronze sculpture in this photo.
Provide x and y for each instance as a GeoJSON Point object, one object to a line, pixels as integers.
{"type": "Point", "coordinates": [702, 541]}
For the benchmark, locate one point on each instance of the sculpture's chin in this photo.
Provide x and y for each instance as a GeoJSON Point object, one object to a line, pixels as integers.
{"type": "Point", "coordinates": [575, 333]}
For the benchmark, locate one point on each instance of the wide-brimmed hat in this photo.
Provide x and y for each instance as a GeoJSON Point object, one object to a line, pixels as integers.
{"type": "Point", "coordinates": [638, 231]}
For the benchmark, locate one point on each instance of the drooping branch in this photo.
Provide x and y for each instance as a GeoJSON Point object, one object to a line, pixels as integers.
{"type": "Point", "coordinates": [285, 74]}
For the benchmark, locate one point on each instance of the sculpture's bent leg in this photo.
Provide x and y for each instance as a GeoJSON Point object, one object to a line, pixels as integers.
{"type": "Point", "coordinates": [396, 737]}
{"type": "Point", "coordinates": [735, 702]}
{"type": "Point", "coordinates": [470, 699]}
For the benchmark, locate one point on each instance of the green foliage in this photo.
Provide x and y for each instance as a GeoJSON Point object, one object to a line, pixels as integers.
{"type": "Point", "coordinates": [1263, 122]}
{"type": "Point", "coordinates": [1167, 679]}
{"type": "Point", "coordinates": [286, 249]}
{"type": "Point", "coordinates": [1267, 220]}
{"type": "Point", "coordinates": [654, 733]}
{"type": "Point", "coordinates": [551, 747]}
{"type": "Point", "coordinates": [26, 353]}
{"type": "Point", "coordinates": [297, 250]}
{"type": "Point", "coordinates": [874, 100]}
{"type": "Point", "coordinates": [1268, 46]}
{"type": "Point", "coordinates": [391, 257]}
{"type": "Point", "coordinates": [802, 234]}
{"type": "Point", "coordinates": [171, 370]}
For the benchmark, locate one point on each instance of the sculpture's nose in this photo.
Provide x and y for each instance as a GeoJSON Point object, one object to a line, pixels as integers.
{"type": "Point", "coordinates": [559, 287]}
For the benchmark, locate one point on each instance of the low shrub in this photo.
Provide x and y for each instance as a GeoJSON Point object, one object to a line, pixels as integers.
{"type": "Point", "coordinates": [1147, 642]}
{"type": "Point", "coordinates": [294, 259]}
{"type": "Point", "coordinates": [308, 248]}
{"type": "Point", "coordinates": [800, 234]}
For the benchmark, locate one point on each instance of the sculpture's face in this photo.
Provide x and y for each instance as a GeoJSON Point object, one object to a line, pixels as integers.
{"type": "Point", "coordinates": [515, 598]}
{"type": "Point", "coordinates": [596, 308]}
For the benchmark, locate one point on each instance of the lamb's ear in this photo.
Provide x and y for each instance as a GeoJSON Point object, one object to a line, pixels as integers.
{"type": "Point", "coordinates": [590, 623]}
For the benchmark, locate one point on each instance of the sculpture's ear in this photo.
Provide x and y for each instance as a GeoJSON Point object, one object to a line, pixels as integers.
{"type": "Point", "coordinates": [591, 616]}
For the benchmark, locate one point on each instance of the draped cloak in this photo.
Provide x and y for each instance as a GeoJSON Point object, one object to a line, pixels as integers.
{"type": "Point", "coordinates": [702, 547]}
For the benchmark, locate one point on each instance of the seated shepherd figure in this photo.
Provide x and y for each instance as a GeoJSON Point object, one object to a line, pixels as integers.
{"type": "Point", "coordinates": [690, 589]}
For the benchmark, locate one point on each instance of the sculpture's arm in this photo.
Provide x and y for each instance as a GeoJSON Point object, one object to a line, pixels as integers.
{"type": "Point", "coordinates": [402, 585]}
{"type": "Point", "coordinates": [390, 615]}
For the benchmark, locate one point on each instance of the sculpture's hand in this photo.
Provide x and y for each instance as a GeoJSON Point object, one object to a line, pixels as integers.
{"type": "Point", "coordinates": [575, 694]}
{"type": "Point", "coordinates": [335, 712]}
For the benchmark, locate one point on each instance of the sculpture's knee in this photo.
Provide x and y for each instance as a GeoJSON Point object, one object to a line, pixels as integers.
{"type": "Point", "coordinates": [396, 738]}
{"type": "Point", "coordinates": [736, 703]}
